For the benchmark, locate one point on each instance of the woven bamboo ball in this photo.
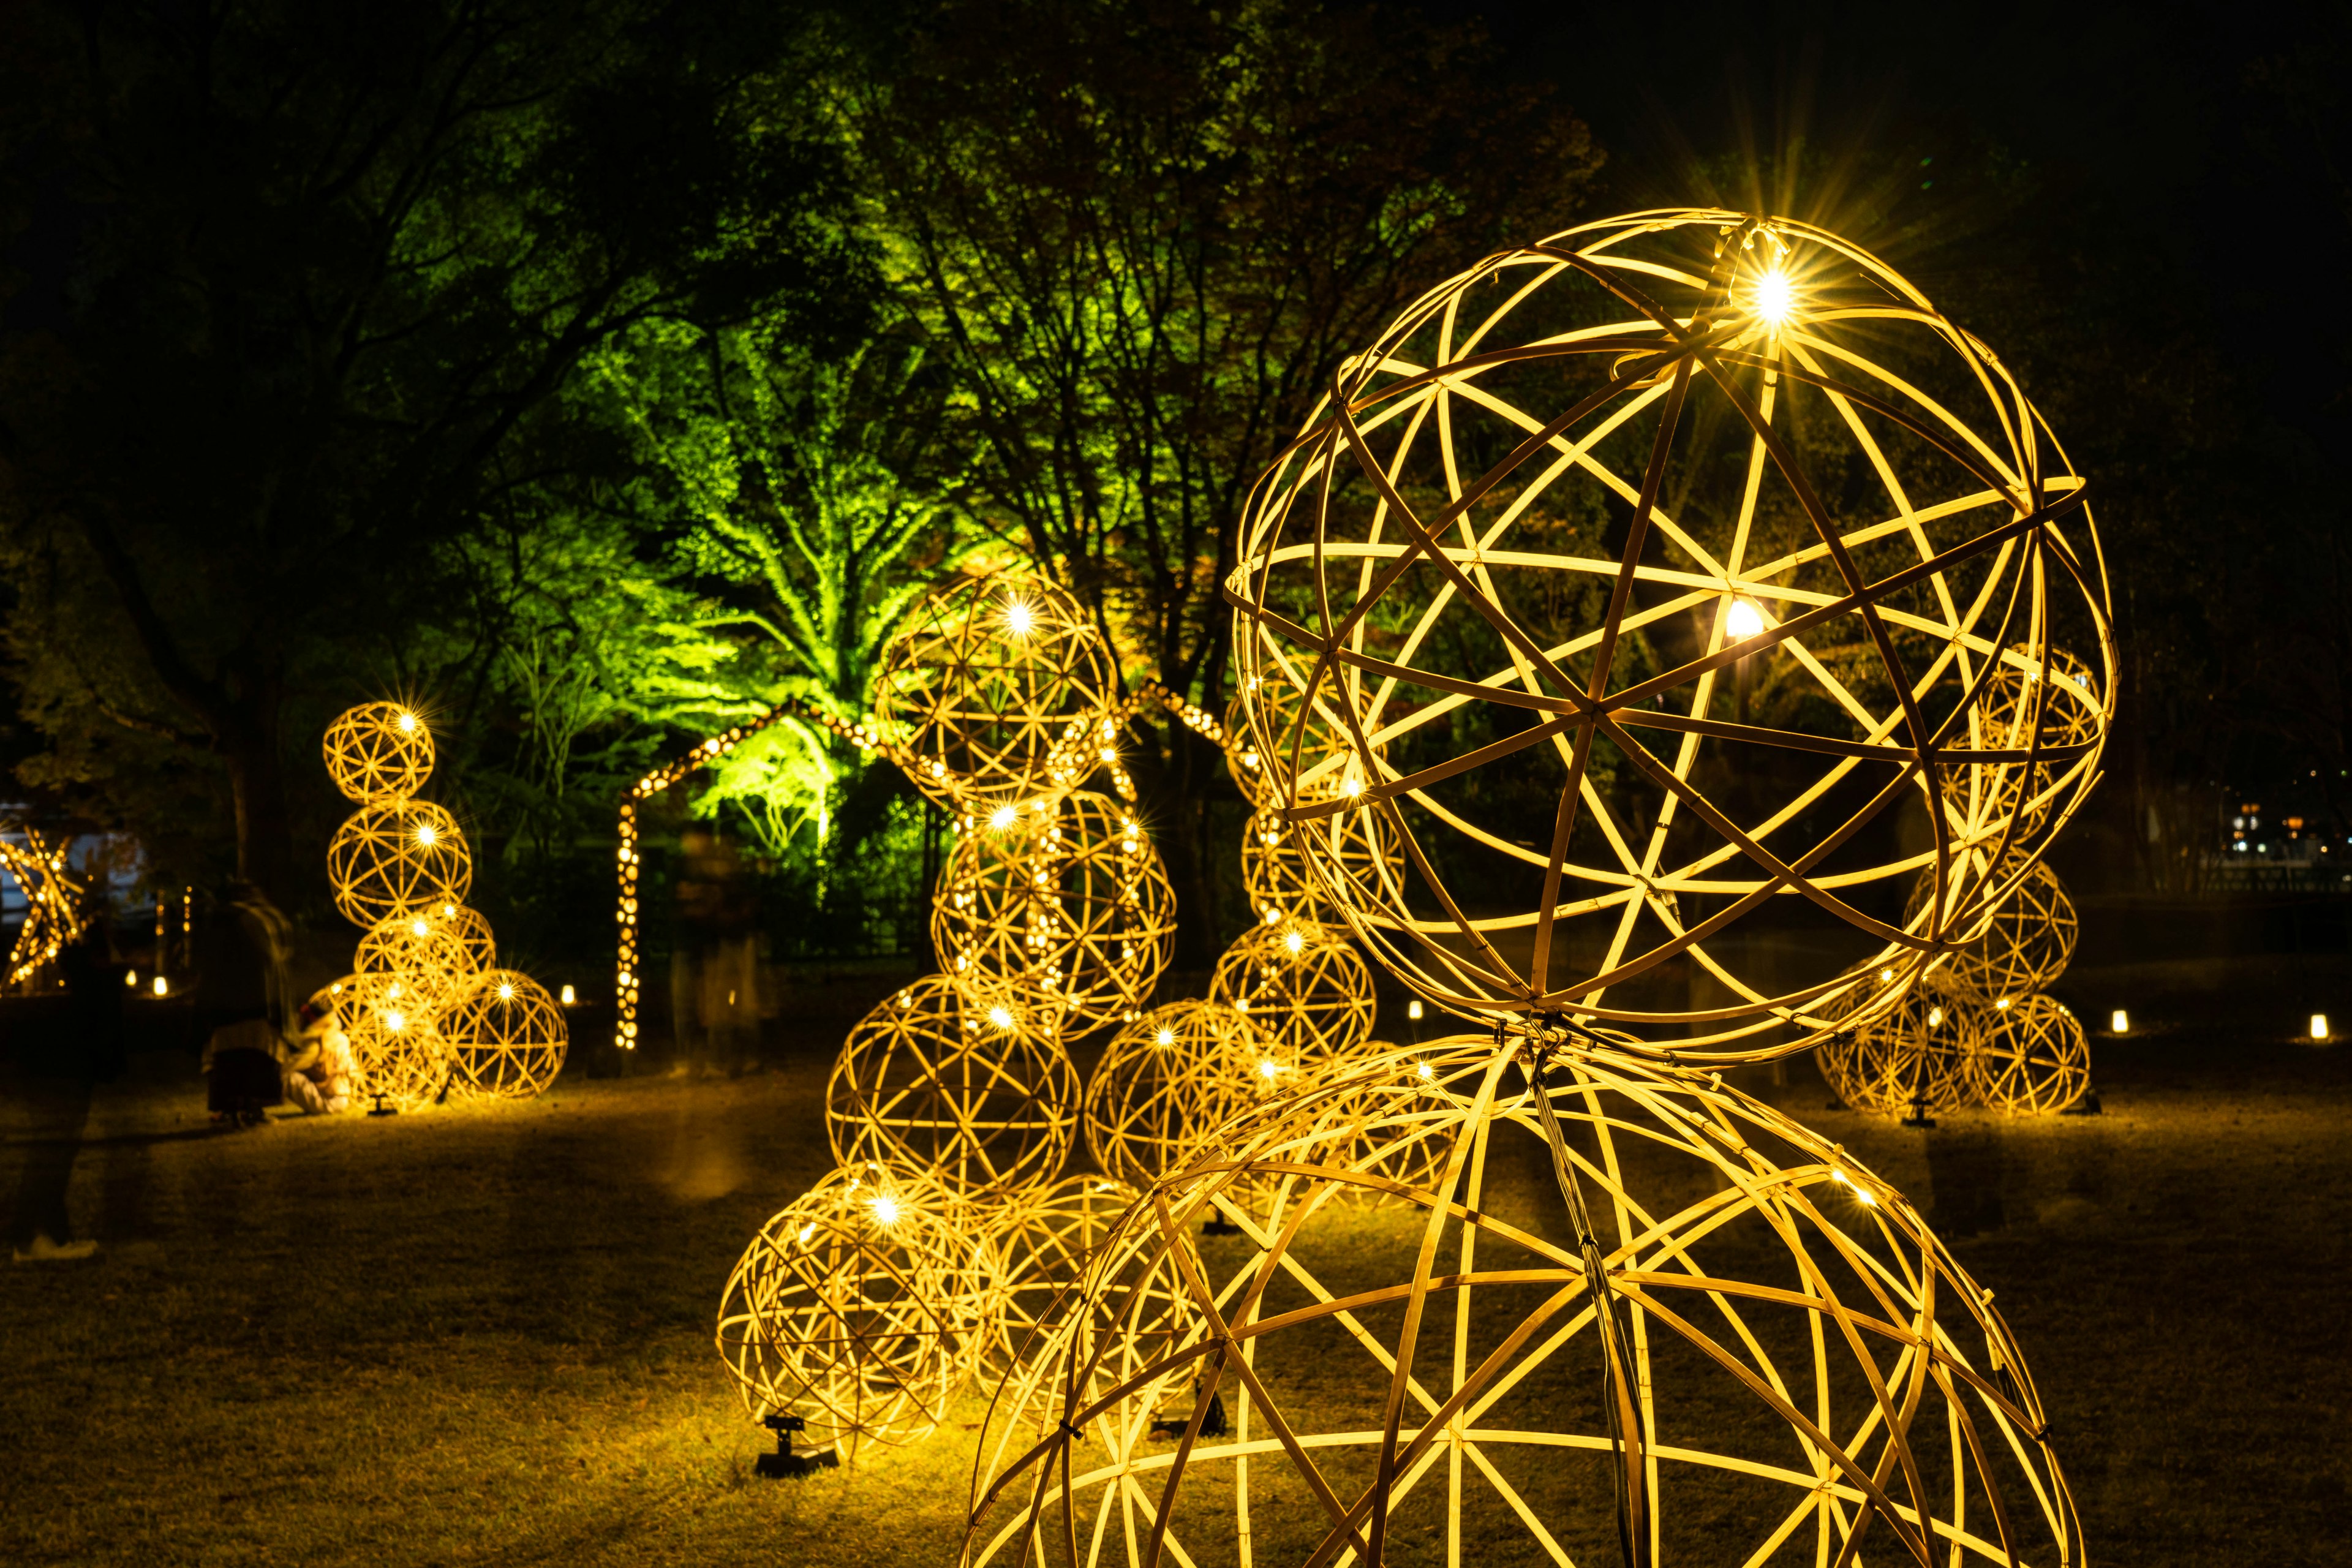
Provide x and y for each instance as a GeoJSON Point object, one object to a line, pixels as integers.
{"type": "Point", "coordinates": [988, 684]}
{"type": "Point", "coordinates": [471, 931]}
{"type": "Point", "coordinates": [428, 953]}
{"type": "Point", "coordinates": [2028, 943]}
{"type": "Point", "coordinates": [2023, 703]}
{"type": "Point", "coordinates": [1794, 1357]}
{"type": "Point", "coordinates": [2035, 1058]}
{"type": "Point", "coordinates": [52, 916]}
{"type": "Point", "coordinates": [1642, 569]}
{"type": "Point", "coordinates": [933, 1080]}
{"type": "Point", "coordinates": [378, 752]}
{"type": "Point", "coordinates": [1278, 862]}
{"type": "Point", "coordinates": [1169, 1080]}
{"type": "Point", "coordinates": [399, 855]}
{"type": "Point", "coordinates": [1921, 1051]}
{"type": "Point", "coordinates": [506, 1035]}
{"type": "Point", "coordinates": [1303, 986]}
{"type": "Point", "coordinates": [1072, 904]}
{"type": "Point", "coordinates": [862, 1307]}
{"type": "Point", "coordinates": [397, 1051]}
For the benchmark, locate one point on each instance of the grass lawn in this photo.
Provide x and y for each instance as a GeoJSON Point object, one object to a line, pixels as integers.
{"type": "Point", "coordinates": [483, 1334]}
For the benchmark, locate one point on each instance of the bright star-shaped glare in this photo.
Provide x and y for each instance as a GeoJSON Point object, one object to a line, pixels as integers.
{"type": "Point", "coordinates": [1773, 298]}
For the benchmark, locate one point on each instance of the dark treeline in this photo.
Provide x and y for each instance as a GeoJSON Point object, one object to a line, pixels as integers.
{"type": "Point", "coordinates": [595, 374]}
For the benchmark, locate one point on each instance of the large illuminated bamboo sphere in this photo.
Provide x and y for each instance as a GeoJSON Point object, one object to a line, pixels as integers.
{"type": "Point", "coordinates": [862, 1307]}
{"type": "Point", "coordinates": [1169, 1079]}
{"type": "Point", "coordinates": [506, 1036]}
{"type": "Point", "coordinates": [430, 954]}
{"type": "Point", "coordinates": [2035, 1058]}
{"type": "Point", "coordinates": [396, 857]}
{"type": "Point", "coordinates": [378, 752]}
{"type": "Point", "coordinates": [1708, 1337]}
{"type": "Point", "coordinates": [956, 1086]}
{"type": "Point", "coordinates": [2027, 945]}
{"type": "Point", "coordinates": [397, 1051]}
{"type": "Point", "coordinates": [1645, 569]}
{"type": "Point", "coordinates": [1072, 903]}
{"type": "Point", "coordinates": [987, 685]}
{"type": "Point", "coordinates": [1304, 985]}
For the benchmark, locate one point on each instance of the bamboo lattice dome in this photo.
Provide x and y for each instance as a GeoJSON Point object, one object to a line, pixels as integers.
{"type": "Point", "coordinates": [378, 752]}
{"type": "Point", "coordinates": [1165, 1082]}
{"type": "Point", "coordinates": [932, 1079]}
{"type": "Point", "coordinates": [2035, 1059]}
{"type": "Point", "coordinates": [1071, 903]}
{"type": "Point", "coordinates": [1796, 1365]}
{"type": "Point", "coordinates": [1653, 572]}
{"type": "Point", "coordinates": [398, 857]}
{"type": "Point", "coordinates": [985, 688]}
{"type": "Point", "coordinates": [506, 1036]}
{"type": "Point", "coordinates": [1305, 987]}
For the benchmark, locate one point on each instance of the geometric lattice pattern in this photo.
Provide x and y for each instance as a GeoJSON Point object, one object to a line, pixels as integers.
{"type": "Point", "coordinates": [1711, 1338]}
{"type": "Point", "coordinates": [397, 1052]}
{"type": "Point", "coordinates": [1071, 903]}
{"type": "Point", "coordinates": [1304, 986]}
{"type": "Point", "coordinates": [2028, 945]}
{"type": "Point", "coordinates": [506, 1036]}
{"type": "Point", "coordinates": [930, 1080]}
{"type": "Point", "coordinates": [2035, 1059]}
{"type": "Point", "coordinates": [1278, 873]}
{"type": "Point", "coordinates": [1169, 1079]}
{"type": "Point", "coordinates": [1651, 572]}
{"type": "Point", "coordinates": [862, 1306]}
{"type": "Point", "coordinates": [378, 752]}
{"type": "Point", "coordinates": [1920, 1055]}
{"type": "Point", "coordinates": [429, 955]}
{"type": "Point", "coordinates": [398, 857]}
{"type": "Point", "coordinates": [988, 678]}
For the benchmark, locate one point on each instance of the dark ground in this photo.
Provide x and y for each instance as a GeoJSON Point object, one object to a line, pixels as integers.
{"type": "Point", "coordinates": [483, 1335]}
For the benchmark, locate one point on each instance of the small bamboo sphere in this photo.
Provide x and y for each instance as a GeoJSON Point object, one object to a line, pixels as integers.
{"type": "Point", "coordinates": [1777, 1326]}
{"type": "Point", "coordinates": [2035, 1057]}
{"type": "Point", "coordinates": [426, 952]}
{"type": "Point", "coordinates": [1921, 1049]}
{"type": "Point", "coordinates": [378, 752]}
{"type": "Point", "coordinates": [1279, 862]}
{"type": "Point", "coordinates": [988, 685]}
{"type": "Point", "coordinates": [1560, 555]}
{"type": "Point", "coordinates": [1166, 1082]}
{"type": "Point", "coordinates": [506, 1035]}
{"type": "Point", "coordinates": [957, 1086]}
{"type": "Point", "coordinates": [395, 857]}
{"type": "Point", "coordinates": [1306, 988]}
{"type": "Point", "coordinates": [862, 1307]}
{"type": "Point", "coordinates": [2029, 943]}
{"type": "Point", "coordinates": [397, 1051]}
{"type": "Point", "coordinates": [471, 931]}
{"type": "Point", "coordinates": [2017, 710]}
{"type": "Point", "coordinates": [1071, 904]}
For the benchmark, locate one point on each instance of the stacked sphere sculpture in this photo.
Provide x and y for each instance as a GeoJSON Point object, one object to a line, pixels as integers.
{"type": "Point", "coordinates": [1591, 798]}
{"type": "Point", "coordinates": [427, 1011]}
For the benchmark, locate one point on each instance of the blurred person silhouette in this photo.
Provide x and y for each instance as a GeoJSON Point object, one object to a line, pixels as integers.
{"type": "Point", "coordinates": [62, 1058]}
{"type": "Point", "coordinates": [244, 1001]}
{"type": "Point", "coordinates": [714, 968]}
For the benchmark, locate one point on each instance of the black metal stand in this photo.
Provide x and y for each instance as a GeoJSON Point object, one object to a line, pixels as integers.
{"type": "Point", "coordinates": [1919, 1116]}
{"type": "Point", "coordinates": [1219, 1227]}
{"type": "Point", "coordinates": [2086, 1104]}
{"type": "Point", "coordinates": [383, 1110]}
{"type": "Point", "coordinates": [783, 1463]}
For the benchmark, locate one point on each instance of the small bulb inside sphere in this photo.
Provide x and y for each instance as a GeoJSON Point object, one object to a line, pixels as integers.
{"type": "Point", "coordinates": [1774, 298]}
{"type": "Point", "coordinates": [1743, 621]}
{"type": "Point", "coordinates": [1019, 617]}
{"type": "Point", "coordinates": [426, 835]}
{"type": "Point", "coordinates": [408, 723]}
{"type": "Point", "coordinates": [885, 1209]}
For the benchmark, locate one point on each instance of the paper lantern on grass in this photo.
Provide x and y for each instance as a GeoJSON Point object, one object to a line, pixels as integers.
{"type": "Point", "coordinates": [397, 1051]}
{"type": "Point", "coordinates": [1166, 1082]}
{"type": "Point", "coordinates": [424, 952]}
{"type": "Point", "coordinates": [2035, 1059]}
{"type": "Point", "coordinates": [1072, 904]}
{"type": "Point", "coordinates": [956, 1086]}
{"type": "Point", "coordinates": [378, 752]}
{"type": "Point", "coordinates": [2028, 945]}
{"type": "Point", "coordinates": [862, 1307]}
{"type": "Point", "coordinates": [1304, 986]}
{"type": "Point", "coordinates": [393, 857]}
{"type": "Point", "coordinates": [506, 1035]}
{"type": "Point", "coordinates": [1799, 1366]}
{"type": "Point", "coordinates": [988, 685]}
{"type": "Point", "coordinates": [1523, 555]}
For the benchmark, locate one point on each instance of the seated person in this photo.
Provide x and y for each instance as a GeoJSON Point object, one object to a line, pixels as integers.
{"type": "Point", "coordinates": [317, 1070]}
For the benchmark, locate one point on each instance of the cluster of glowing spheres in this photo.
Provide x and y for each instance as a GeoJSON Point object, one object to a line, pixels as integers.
{"type": "Point", "coordinates": [988, 687]}
{"type": "Point", "coordinates": [1494, 593]}
{"type": "Point", "coordinates": [1790, 1354]}
{"type": "Point", "coordinates": [428, 1012]}
{"type": "Point", "coordinates": [930, 1081]}
{"type": "Point", "coordinates": [1070, 904]}
{"type": "Point", "coordinates": [862, 1306]}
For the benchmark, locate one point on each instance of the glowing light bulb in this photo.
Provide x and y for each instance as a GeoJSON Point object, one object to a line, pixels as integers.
{"type": "Point", "coordinates": [395, 1021]}
{"type": "Point", "coordinates": [1425, 1073]}
{"type": "Point", "coordinates": [2119, 1022]}
{"type": "Point", "coordinates": [130, 978]}
{"type": "Point", "coordinates": [1003, 817]}
{"type": "Point", "coordinates": [885, 1209]}
{"type": "Point", "coordinates": [506, 992]}
{"type": "Point", "coordinates": [1935, 1017]}
{"type": "Point", "coordinates": [1267, 1069]}
{"type": "Point", "coordinates": [1743, 621]}
{"type": "Point", "coordinates": [1295, 942]}
{"type": "Point", "coordinates": [1773, 298]}
{"type": "Point", "coordinates": [1166, 1037]}
{"type": "Point", "coordinates": [1885, 974]}
{"type": "Point", "coordinates": [1000, 1017]}
{"type": "Point", "coordinates": [1018, 617]}
{"type": "Point", "coordinates": [1412, 1010]}
{"type": "Point", "coordinates": [426, 835]}
{"type": "Point", "coordinates": [569, 996]}
{"type": "Point", "coordinates": [1353, 788]}
{"type": "Point", "coordinates": [417, 928]}
{"type": "Point", "coordinates": [806, 1231]}
{"type": "Point", "coordinates": [163, 986]}
{"type": "Point", "coordinates": [408, 723]}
